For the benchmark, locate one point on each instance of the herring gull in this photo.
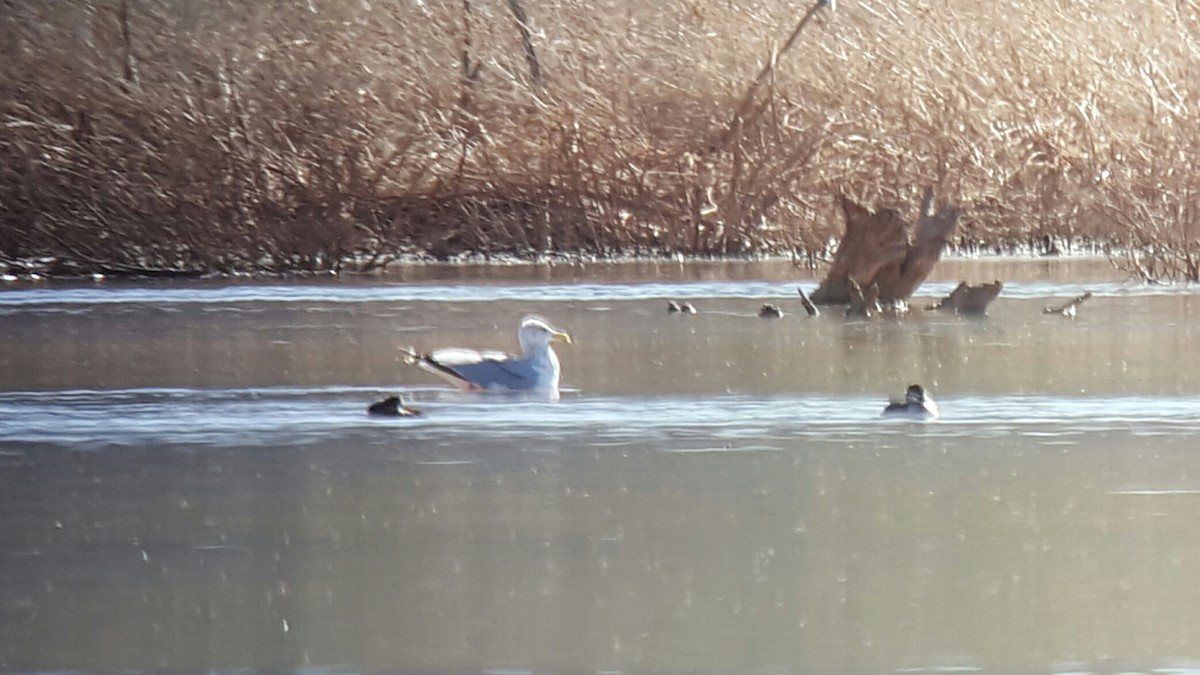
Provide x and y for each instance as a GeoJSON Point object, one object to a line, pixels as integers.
{"type": "Point", "coordinates": [536, 370]}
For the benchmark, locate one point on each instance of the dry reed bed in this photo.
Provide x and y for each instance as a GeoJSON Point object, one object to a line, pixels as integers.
{"type": "Point", "coordinates": [166, 135]}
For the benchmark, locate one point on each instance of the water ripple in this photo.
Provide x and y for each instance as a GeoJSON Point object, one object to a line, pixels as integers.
{"type": "Point", "coordinates": [58, 298]}
{"type": "Point", "coordinates": [299, 416]}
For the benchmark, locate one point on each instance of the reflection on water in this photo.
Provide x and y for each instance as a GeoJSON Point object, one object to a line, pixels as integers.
{"type": "Point", "coordinates": [189, 481]}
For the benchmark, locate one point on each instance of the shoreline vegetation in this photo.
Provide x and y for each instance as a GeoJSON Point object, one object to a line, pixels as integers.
{"type": "Point", "coordinates": [180, 138]}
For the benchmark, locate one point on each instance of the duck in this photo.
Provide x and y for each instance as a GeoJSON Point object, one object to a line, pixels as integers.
{"type": "Point", "coordinates": [917, 404]}
{"type": "Point", "coordinates": [769, 311]}
{"type": "Point", "coordinates": [392, 406]}
{"type": "Point", "coordinates": [536, 370]}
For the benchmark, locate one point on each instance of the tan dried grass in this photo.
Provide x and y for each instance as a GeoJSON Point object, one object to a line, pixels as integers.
{"type": "Point", "coordinates": [279, 135]}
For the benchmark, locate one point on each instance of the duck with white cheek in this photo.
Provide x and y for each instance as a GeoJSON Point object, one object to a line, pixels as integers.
{"type": "Point", "coordinates": [917, 405]}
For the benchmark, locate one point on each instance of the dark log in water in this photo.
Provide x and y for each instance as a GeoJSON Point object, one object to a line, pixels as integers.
{"type": "Point", "coordinates": [808, 305]}
{"type": "Point", "coordinates": [877, 251]}
{"type": "Point", "coordinates": [967, 299]}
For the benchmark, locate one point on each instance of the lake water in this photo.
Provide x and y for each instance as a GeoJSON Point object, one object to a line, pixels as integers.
{"type": "Point", "coordinates": [189, 481]}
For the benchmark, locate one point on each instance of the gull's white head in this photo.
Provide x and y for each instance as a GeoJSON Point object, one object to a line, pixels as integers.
{"type": "Point", "coordinates": [536, 333]}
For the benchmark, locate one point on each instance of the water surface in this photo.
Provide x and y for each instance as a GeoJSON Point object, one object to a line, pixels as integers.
{"type": "Point", "coordinates": [188, 479]}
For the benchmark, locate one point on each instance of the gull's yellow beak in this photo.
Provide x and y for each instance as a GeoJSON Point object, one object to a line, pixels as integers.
{"type": "Point", "coordinates": [560, 336]}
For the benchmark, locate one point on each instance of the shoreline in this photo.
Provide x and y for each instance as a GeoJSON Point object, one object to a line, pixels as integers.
{"type": "Point", "coordinates": [38, 271]}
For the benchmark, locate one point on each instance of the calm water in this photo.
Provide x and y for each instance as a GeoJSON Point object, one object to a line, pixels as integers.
{"type": "Point", "coordinates": [188, 480]}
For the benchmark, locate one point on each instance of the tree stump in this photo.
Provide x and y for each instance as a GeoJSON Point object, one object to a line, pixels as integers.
{"type": "Point", "coordinates": [877, 250]}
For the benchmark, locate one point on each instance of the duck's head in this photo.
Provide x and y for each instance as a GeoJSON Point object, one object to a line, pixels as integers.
{"type": "Point", "coordinates": [769, 311]}
{"type": "Point", "coordinates": [536, 332]}
{"type": "Point", "coordinates": [915, 395]}
{"type": "Point", "coordinates": [389, 406]}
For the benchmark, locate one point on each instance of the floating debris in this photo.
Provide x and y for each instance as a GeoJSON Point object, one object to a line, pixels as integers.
{"type": "Point", "coordinates": [1068, 310]}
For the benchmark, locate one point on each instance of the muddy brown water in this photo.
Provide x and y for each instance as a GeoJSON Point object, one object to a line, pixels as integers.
{"type": "Point", "coordinates": [189, 482]}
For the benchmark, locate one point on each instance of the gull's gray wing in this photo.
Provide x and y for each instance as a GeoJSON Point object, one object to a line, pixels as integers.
{"type": "Point", "coordinates": [471, 369]}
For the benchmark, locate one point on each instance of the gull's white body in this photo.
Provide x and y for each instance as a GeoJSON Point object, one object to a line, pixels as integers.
{"type": "Point", "coordinates": [535, 371]}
